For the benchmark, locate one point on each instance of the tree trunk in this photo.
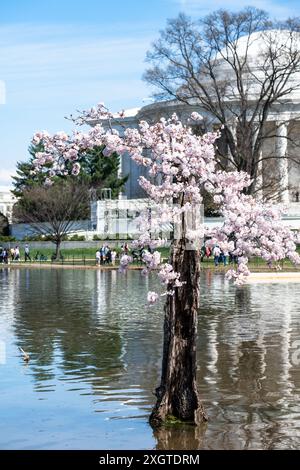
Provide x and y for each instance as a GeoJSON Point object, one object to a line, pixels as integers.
{"type": "Point", "coordinates": [57, 249]}
{"type": "Point", "coordinates": [177, 395]}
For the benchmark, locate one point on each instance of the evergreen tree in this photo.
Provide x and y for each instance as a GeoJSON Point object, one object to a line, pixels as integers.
{"type": "Point", "coordinates": [97, 172]}
{"type": "Point", "coordinates": [26, 177]}
{"type": "Point", "coordinates": [100, 172]}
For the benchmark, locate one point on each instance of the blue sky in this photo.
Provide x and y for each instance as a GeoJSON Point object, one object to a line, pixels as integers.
{"type": "Point", "coordinates": [61, 55]}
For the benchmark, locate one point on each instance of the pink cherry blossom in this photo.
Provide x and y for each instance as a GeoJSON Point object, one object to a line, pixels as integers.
{"type": "Point", "coordinates": [152, 297]}
{"type": "Point", "coordinates": [124, 262]}
{"type": "Point", "coordinates": [179, 163]}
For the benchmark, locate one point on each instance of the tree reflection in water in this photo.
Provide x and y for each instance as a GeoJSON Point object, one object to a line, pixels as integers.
{"type": "Point", "coordinates": [180, 437]}
{"type": "Point", "coordinates": [96, 346]}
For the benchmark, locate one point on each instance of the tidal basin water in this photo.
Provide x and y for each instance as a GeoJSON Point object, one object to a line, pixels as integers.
{"type": "Point", "coordinates": [96, 348]}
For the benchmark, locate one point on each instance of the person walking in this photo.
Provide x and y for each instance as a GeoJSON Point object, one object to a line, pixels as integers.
{"type": "Point", "coordinates": [113, 257]}
{"type": "Point", "coordinates": [5, 255]}
{"type": "Point", "coordinates": [27, 253]}
{"type": "Point", "coordinates": [17, 254]}
{"type": "Point", "coordinates": [207, 252]}
{"type": "Point", "coordinates": [216, 255]}
{"type": "Point", "coordinates": [12, 253]}
{"type": "Point", "coordinates": [98, 257]}
{"type": "Point", "coordinates": [108, 255]}
{"type": "Point", "coordinates": [102, 254]}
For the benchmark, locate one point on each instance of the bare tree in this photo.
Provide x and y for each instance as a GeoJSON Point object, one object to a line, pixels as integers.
{"type": "Point", "coordinates": [238, 69]}
{"type": "Point", "coordinates": [53, 210]}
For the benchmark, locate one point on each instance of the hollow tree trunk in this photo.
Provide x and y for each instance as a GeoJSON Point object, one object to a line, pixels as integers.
{"type": "Point", "coordinates": [177, 395]}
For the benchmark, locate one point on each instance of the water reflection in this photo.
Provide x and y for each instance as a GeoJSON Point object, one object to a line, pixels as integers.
{"type": "Point", "coordinates": [95, 357]}
{"type": "Point", "coordinates": [180, 437]}
{"type": "Point", "coordinates": [246, 373]}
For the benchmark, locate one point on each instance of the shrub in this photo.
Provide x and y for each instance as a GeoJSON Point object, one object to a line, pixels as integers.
{"type": "Point", "coordinates": [76, 238]}
{"type": "Point", "coordinates": [99, 238]}
{"type": "Point", "coordinates": [7, 238]}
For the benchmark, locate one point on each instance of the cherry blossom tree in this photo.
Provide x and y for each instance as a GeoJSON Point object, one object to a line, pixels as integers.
{"type": "Point", "coordinates": [181, 163]}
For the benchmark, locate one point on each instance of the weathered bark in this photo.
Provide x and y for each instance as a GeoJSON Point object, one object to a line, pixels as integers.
{"type": "Point", "coordinates": [177, 395]}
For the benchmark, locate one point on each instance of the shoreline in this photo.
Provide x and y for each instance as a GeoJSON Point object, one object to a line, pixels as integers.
{"type": "Point", "coordinates": [267, 273]}
{"type": "Point", "coordinates": [65, 266]}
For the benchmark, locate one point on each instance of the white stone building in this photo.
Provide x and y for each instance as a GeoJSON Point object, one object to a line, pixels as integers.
{"type": "Point", "coordinates": [7, 201]}
{"type": "Point", "coordinates": [283, 123]}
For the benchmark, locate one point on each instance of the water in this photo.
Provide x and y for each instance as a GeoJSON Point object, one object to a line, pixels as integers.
{"type": "Point", "coordinates": [95, 352]}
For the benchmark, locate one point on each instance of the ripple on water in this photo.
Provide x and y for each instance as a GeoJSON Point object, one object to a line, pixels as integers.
{"type": "Point", "coordinates": [96, 350]}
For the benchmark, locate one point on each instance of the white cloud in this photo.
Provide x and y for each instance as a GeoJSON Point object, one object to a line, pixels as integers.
{"type": "Point", "coordinates": [202, 7]}
{"type": "Point", "coordinates": [35, 61]}
{"type": "Point", "coordinates": [39, 64]}
{"type": "Point", "coordinates": [52, 70]}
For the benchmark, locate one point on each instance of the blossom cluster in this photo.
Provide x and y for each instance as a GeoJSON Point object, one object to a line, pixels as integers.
{"type": "Point", "coordinates": [179, 164]}
{"type": "Point", "coordinates": [168, 276]}
{"type": "Point", "coordinates": [124, 263]}
{"type": "Point", "coordinates": [151, 260]}
{"type": "Point", "coordinates": [253, 229]}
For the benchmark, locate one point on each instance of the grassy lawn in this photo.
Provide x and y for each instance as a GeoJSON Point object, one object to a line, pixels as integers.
{"type": "Point", "coordinates": [87, 256]}
{"type": "Point", "coordinates": [76, 255]}
{"type": "Point", "coordinates": [68, 254]}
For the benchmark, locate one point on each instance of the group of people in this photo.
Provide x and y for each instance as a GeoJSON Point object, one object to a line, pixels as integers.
{"type": "Point", "coordinates": [105, 255]}
{"type": "Point", "coordinates": [13, 254]}
{"type": "Point", "coordinates": [220, 256]}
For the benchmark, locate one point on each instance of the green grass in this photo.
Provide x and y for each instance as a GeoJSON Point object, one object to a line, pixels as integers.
{"type": "Point", "coordinates": [76, 255]}
{"type": "Point", "coordinates": [87, 256]}
{"type": "Point", "coordinates": [79, 253]}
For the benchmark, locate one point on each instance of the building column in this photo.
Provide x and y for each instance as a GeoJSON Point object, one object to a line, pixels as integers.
{"type": "Point", "coordinates": [122, 163]}
{"type": "Point", "coordinates": [120, 175]}
{"type": "Point", "coordinates": [259, 194]}
{"type": "Point", "coordinates": [283, 167]}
